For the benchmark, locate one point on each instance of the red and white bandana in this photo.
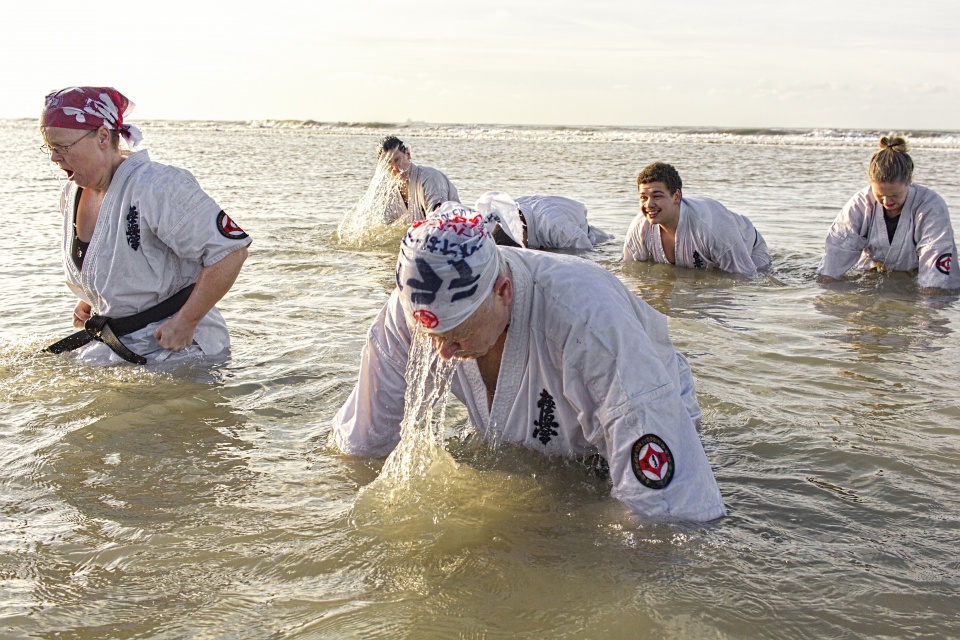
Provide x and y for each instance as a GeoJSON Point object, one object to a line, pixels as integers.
{"type": "Point", "coordinates": [447, 266]}
{"type": "Point", "coordinates": [90, 108]}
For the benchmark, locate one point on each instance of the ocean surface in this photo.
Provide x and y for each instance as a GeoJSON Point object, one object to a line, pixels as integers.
{"type": "Point", "coordinates": [206, 502]}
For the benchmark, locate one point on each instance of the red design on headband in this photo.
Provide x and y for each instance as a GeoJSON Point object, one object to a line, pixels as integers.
{"type": "Point", "coordinates": [86, 108]}
{"type": "Point", "coordinates": [461, 225]}
{"type": "Point", "coordinates": [426, 318]}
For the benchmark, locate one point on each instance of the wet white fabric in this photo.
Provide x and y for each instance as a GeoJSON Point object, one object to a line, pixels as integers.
{"type": "Point", "coordinates": [557, 222]}
{"type": "Point", "coordinates": [552, 222]}
{"type": "Point", "coordinates": [587, 368]}
{"type": "Point", "coordinates": [923, 241]}
{"type": "Point", "coordinates": [708, 235]}
{"type": "Point", "coordinates": [501, 205]}
{"type": "Point", "coordinates": [156, 230]}
{"type": "Point", "coordinates": [428, 188]}
{"type": "Point", "coordinates": [446, 268]}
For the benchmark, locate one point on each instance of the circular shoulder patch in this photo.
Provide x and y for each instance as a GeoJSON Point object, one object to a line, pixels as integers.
{"type": "Point", "coordinates": [652, 462]}
{"type": "Point", "coordinates": [228, 228]}
{"type": "Point", "coordinates": [943, 263]}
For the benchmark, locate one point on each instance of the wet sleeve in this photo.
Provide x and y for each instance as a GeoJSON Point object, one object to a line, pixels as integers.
{"type": "Point", "coordinates": [597, 236]}
{"type": "Point", "coordinates": [725, 240]}
{"type": "Point", "coordinates": [644, 421]}
{"type": "Point", "coordinates": [633, 247]}
{"type": "Point", "coordinates": [759, 252]}
{"type": "Point", "coordinates": [437, 189]}
{"type": "Point", "coordinates": [188, 220]}
{"type": "Point", "coordinates": [936, 248]}
{"type": "Point", "coordinates": [733, 256]}
{"type": "Point", "coordinates": [564, 233]}
{"type": "Point", "coordinates": [566, 224]}
{"type": "Point", "coordinates": [846, 239]}
{"type": "Point", "coordinates": [657, 463]}
{"type": "Point", "coordinates": [368, 423]}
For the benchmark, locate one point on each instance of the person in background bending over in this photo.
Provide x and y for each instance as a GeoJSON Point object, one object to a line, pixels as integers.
{"type": "Point", "coordinates": [893, 225]}
{"type": "Point", "coordinates": [420, 190]}
{"type": "Point", "coordinates": [554, 353]}
{"type": "Point", "coordinates": [148, 253]}
{"type": "Point", "coordinates": [540, 222]}
{"type": "Point", "coordinates": [690, 232]}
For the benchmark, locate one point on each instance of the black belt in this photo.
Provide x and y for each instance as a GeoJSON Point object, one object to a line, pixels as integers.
{"type": "Point", "coordinates": [107, 330]}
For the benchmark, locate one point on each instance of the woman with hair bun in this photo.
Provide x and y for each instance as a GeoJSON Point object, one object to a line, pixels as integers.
{"type": "Point", "coordinates": [893, 225]}
{"type": "Point", "coordinates": [145, 249]}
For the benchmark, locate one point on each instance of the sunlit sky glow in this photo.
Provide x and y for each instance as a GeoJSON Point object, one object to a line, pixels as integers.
{"type": "Point", "coordinates": [740, 63]}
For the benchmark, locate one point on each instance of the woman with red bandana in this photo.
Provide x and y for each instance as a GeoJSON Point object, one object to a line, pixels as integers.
{"type": "Point", "coordinates": [148, 253]}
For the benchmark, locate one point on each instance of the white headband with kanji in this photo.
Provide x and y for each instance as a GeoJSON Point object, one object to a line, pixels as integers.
{"type": "Point", "coordinates": [447, 267]}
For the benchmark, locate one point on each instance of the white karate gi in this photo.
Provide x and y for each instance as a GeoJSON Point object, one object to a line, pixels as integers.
{"type": "Point", "coordinates": [427, 189]}
{"type": "Point", "coordinates": [923, 240]}
{"type": "Point", "coordinates": [596, 359]}
{"type": "Point", "coordinates": [708, 235]}
{"type": "Point", "coordinates": [556, 222]}
{"type": "Point", "coordinates": [156, 230]}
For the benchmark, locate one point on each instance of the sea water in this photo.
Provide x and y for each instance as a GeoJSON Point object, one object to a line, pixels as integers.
{"type": "Point", "coordinates": [207, 503]}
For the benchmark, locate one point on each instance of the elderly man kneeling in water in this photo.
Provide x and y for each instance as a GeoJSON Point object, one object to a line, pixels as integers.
{"type": "Point", "coordinates": [554, 354]}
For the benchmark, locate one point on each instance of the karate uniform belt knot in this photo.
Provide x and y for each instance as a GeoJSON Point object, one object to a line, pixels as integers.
{"type": "Point", "coordinates": [108, 330]}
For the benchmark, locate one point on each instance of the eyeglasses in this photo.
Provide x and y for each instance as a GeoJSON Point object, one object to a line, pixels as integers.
{"type": "Point", "coordinates": [63, 149]}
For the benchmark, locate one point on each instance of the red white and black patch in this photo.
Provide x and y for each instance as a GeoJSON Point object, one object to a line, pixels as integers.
{"type": "Point", "coordinates": [652, 462]}
{"type": "Point", "coordinates": [228, 228]}
{"type": "Point", "coordinates": [944, 262]}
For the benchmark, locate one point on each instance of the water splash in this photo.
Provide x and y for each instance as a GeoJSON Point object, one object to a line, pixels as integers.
{"type": "Point", "coordinates": [378, 216]}
{"type": "Point", "coordinates": [419, 470]}
{"type": "Point", "coordinates": [425, 499]}
{"type": "Point", "coordinates": [425, 402]}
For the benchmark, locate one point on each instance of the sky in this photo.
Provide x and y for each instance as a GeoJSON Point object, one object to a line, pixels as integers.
{"type": "Point", "coordinates": [856, 64]}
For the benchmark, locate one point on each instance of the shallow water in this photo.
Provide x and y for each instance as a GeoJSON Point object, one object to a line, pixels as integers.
{"type": "Point", "coordinates": [206, 503]}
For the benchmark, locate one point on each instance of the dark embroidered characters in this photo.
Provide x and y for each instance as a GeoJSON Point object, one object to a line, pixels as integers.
{"type": "Point", "coordinates": [652, 462]}
{"type": "Point", "coordinates": [228, 228]}
{"type": "Point", "coordinates": [133, 227]}
{"type": "Point", "coordinates": [466, 279]}
{"type": "Point", "coordinates": [546, 427]}
{"type": "Point", "coordinates": [698, 262]}
{"type": "Point", "coordinates": [430, 283]}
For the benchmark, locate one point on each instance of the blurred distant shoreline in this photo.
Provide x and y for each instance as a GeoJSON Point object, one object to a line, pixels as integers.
{"type": "Point", "coordinates": [585, 133]}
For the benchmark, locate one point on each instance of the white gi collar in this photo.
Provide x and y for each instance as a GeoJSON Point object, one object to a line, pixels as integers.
{"type": "Point", "coordinates": [516, 352]}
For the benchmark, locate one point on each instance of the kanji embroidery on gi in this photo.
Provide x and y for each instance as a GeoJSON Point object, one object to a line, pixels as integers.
{"type": "Point", "coordinates": [133, 228]}
{"type": "Point", "coordinates": [546, 427]}
{"type": "Point", "coordinates": [698, 262]}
